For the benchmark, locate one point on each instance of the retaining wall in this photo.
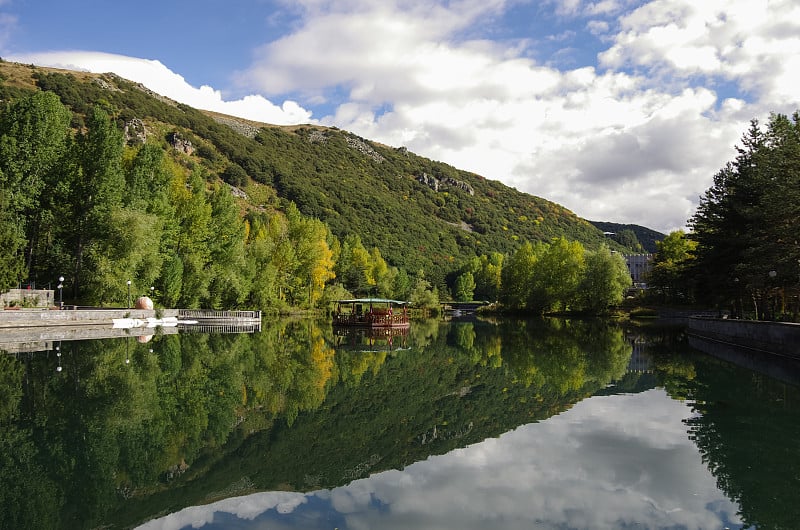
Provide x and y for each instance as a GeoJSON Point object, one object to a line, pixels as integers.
{"type": "Point", "coordinates": [41, 298]}
{"type": "Point", "coordinates": [777, 338]}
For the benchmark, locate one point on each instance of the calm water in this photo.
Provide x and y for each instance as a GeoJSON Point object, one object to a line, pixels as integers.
{"type": "Point", "coordinates": [506, 424]}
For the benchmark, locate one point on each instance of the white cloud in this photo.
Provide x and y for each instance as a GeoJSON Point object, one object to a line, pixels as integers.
{"type": "Point", "coordinates": [612, 467]}
{"type": "Point", "coordinates": [755, 43]}
{"type": "Point", "coordinates": [8, 24]}
{"type": "Point", "coordinates": [604, 7]}
{"type": "Point", "coordinates": [542, 130]}
{"type": "Point", "coordinates": [245, 507]}
{"type": "Point", "coordinates": [636, 139]}
{"type": "Point", "coordinates": [162, 80]}
{"type": "Point", "coordinates": [597, 27]}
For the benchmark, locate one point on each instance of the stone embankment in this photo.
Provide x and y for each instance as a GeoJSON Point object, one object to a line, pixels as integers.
{"type": "Point", "coordinates": [25, 318]}
{"type": "Point", "coordinates": [38, 329]}
{"type": "Point", "coordinates": [775, 338]}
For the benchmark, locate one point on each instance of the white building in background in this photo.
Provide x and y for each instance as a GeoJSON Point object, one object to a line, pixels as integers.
{"type": "Point", "coordinates": [639, 267]}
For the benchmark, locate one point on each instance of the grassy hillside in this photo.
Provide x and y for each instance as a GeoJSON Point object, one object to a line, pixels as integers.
{"type": "Point", "coordinates": [420, 213]}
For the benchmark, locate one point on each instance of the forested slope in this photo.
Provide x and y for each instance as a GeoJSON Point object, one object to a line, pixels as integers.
{"type": "Point", "coordinates": [419, 214]}
{"type": "Point", "coordinates": [635, 237]}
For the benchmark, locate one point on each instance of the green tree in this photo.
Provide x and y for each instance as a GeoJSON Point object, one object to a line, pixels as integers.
{"type": "Point", "coordinates": [488, 276]}
{"type": "Point", "coordinates": [94, 189]}
{"type": "Point", "coordinates": [170, 283]}
{"type": "Point", "coordinates": [673, 259]}
{"type": "Point", "coordinates": [354, 266]}
{"type": "Point", "coordinates": [191, 239]}
{"type": "Point", "coordinates": [34, 138]}
{"type": "Point", "coordinates": [229, 284]}
{"type": "Point", "coordinates": [424, 296]}
{"type": "Point", "coordinates": [260, 247]}
{"type": "Point", "coordinates": [745, 224]}
{"type": "Point", "coordinates": [401, 287]}
{"type": "Point", "coordinates": [12, 241]}
{"type": "Point", "coordinates": [465, 287]}
{"type": "Point", "coordinates": [148, 179]}
{"type": "Point", "coordinates": [604, 281]}
{"type": "Point", "coordinates": [129, 252]}
{"type": "Point", "coordinates": [315, 264]}
{"type": "Point", "coordinates": [381, 273]}
{"type": "Point", "coordinates": [556, 276]}
{"type": "Point", "coordinates": [517, 276]}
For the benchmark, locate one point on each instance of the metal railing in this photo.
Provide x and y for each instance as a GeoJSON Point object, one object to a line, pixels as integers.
{"type": "Point", "coordinates": [210, 314]}
{"type": "Point", "coordinates": [367, 319]}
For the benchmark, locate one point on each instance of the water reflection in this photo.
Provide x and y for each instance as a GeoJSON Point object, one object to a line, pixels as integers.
{"type": "Point", "coordinates": [454, 424]}
{"type": "Point", "coordinates": [609, 462]}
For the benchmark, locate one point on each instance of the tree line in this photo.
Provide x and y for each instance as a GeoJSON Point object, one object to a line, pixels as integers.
{"type": "Point", "coordinates": [80, 200]}
{"type": "Point", "coordinates": [90, 207]}
{"type": "Point", "coordinates": [742, 252]}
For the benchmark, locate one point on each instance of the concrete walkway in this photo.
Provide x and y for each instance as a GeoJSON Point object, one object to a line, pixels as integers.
{"type": "Point", "coordinates": [37, 329]}
{"type": "Point", "coordinates": [25, 318]}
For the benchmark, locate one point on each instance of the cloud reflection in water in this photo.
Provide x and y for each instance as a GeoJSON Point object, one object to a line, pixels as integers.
{"type": "Point", "coordinates": [609, 462]}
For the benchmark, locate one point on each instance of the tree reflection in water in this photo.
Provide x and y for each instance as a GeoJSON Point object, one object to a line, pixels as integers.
{"type": "Point", "coordinates": [196, 418]}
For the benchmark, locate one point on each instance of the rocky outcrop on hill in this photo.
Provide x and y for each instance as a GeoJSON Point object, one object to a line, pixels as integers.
{"type": "Point", "coordinates": [362, 147]}
{"type": "Point", "coordinates": [179, 143]}
{"type": "Point", "coordinates": [429, 180]}
{"type": "Point", "coordinates": [239, 126]}
{"type": "Point", "coordinates": [436, 184]}
{"type": "Point", "coordinates": [105, 85]}
{"type": "Point", "coordinates": [317, 137]}
{"type": "Point", "coordinates": [458, 184]}
{"type": "Point", "coordinates": [236, 192]}
{"type": "Point", "coordinates": [135, 131]}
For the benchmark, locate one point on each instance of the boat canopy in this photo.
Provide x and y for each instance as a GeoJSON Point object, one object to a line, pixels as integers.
{"type": "Point", "coordinates": [371, 301]}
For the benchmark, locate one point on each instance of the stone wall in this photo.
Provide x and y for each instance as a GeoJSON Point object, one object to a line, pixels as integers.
{"type": "Point", "coordinates": [40, 298]}
{"type": "Point", "coordinates": [776, 338]}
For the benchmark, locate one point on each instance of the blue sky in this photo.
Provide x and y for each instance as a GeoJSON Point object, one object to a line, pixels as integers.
{"type": "Point", "coordinates": [621, 110]}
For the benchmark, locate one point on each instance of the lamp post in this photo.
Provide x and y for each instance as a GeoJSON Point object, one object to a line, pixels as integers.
{"type": "Point", "coordinates": [129, 294]}
{"type": "Point", "coordinates": [60, 292]}
{"type": "Point", "coordinates": [771, 299]}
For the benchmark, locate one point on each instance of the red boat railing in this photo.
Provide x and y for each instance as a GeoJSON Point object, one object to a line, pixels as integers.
{"type": "Point", "coordinates": [373, 317]}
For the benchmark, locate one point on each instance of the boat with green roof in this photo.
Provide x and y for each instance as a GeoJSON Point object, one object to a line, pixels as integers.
{"type": "Point", "coordinates": [371, 313]}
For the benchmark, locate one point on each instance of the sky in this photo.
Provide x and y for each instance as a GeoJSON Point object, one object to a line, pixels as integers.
{"type": "Point", "coordinates": [620, 110]}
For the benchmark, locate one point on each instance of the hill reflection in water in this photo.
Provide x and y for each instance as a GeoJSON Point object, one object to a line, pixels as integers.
{"type": "Point", "coordinates": [609, 462]}
{"type": "Point", "coordinates": [575, 424]}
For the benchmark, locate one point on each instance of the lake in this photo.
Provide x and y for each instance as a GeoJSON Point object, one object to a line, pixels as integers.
{"type": "Point", "coordinates": [467, 424]}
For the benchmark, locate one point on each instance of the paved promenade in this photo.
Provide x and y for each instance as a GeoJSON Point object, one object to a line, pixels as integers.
{"type": "Point", "coordinates": [37, 329]}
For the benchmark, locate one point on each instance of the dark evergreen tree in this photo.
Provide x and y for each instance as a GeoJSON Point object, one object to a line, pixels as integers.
{"type": "Point", "coordinates": [746, 224]}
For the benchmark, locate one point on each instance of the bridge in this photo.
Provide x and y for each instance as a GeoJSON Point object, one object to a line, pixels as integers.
{"type": "Point", "coordinates": [463, 307]}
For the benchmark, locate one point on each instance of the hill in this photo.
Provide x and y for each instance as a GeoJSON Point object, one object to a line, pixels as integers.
{"type": "Point", "coordinates": [621, 233]}
{"type": "Point", "coordinates": [421, 214]}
